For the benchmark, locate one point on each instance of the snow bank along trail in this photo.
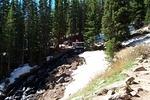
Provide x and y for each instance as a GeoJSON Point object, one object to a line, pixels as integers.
{"type": "Point", "coordinates": [14, 75]}
{"type": "Point", "coordinates": [95, 64]}
{"type": "Point", "coordinates": [145, 39]}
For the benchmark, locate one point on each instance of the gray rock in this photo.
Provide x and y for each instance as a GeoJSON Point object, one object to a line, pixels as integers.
{"type": "Point", "coordinates": [102, 92]}
{"type": "Point", "coordinates": [134, 93]}
{"type": "Point", "coordinates": [67, 79]}
{"type": "Point", "coordinates": [140, 69]}
{"type": "Point", "coordinates": [60, 80]}
{"type": "Point", "coordinates": [130, 80]}
{"type": "Point", "coordinates": [74, 65]}
{"type": "Point", "coordinates": [120, 97]}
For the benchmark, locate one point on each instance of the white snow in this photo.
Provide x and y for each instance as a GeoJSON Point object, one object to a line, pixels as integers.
{"type": "Point", "coordinates": [144, 29]}
{"type": "Point", "coordinates": [4, 53]}
{"type": "Point", "coordinates": [48, 58]}
{"type": "Point", "coordinates": [147, 29]}
{"type": "Point", "coordinates": [137, 40]}
{"type": "Point", "coordinates": [16, 74]}
{"type": "Point", "coordinates": [132, 30]}
{"type": "Point", "coordinates": [141, 30]}
{"type": "Point", "coordinates": [95, 65]}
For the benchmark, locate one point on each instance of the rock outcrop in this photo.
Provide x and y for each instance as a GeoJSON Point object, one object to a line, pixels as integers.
{"type": "Point", "coordinates": [62, 77]}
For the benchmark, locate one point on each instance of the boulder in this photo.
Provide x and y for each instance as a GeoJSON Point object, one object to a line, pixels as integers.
{"type": "Point", "coordinates": [128, 89]}
{"type": "Point", "coordinates": [60, 80]}
{"type": "Point", "coordinates": [124, 97]}
{"type": "Point", "coordinates": [67, 72]}
{"type": "Point", "coordinates": [134, 93]}
{"type": "Point", "coordinates": [74, 65]}
{"type": "Point", "coordinates": [102, 92]}
{"type": "Point", "coordinates": [145, 61]}
{"type": "Point", "coordinates": [67, 79]}
{"type": "Point", "coordinates": [140, 89]}
{"type": "Point", "coordinates": [120, 97]}
{"type": "Point", "coordinates": [67, 66]}
{"type": "Point", "coordinates": [140, 69]}
{"type": "Point", "coordinates": [130, 81]}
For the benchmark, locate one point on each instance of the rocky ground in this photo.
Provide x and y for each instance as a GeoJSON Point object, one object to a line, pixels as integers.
{"type": "Point", "coordinates": [68, 78]}
{"type": "Point", "coordinates": [59, 78]}
{"type": "Point", "coordinates": [135, 87]}
{"type": "Point", "coordinates": [45, 83]}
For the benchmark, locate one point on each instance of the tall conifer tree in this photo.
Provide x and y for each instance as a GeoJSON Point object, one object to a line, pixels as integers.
{"type": "Point", "coordinates": [115, 23]}
{"type": "Point", "coordinates": [138, 13]}
{"type": "Point", "coordinates": [147, 17]}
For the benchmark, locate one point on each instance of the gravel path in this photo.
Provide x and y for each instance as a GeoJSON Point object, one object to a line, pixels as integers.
{"type": "Point", "coordinates": [95, 63]}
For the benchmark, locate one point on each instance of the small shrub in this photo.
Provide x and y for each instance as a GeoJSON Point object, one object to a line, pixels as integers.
{"type": "Point", "coordinates": [111, 47]}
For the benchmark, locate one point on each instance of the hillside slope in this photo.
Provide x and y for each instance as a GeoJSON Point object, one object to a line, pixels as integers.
{"type": "Point", "coordinates": [135, 87]}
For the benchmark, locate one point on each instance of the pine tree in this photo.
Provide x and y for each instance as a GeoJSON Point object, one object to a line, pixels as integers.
{"type": "Point", "coordinates": [4, 5]}
{"type": "Point", "coordinates": [1, 19]}
{"type": "Point", "coordinates": [45, 30]}
{"type": "Point", "coordinates": [4, 8]}
{"type": "Point", "coordinates": [66, 16]}
{"type": "Point", "coordinates": [98, 15]}
{"type": "Point", "coordinates": [93, 21]}
{"type": "Point", "coordinates": [1, 25]}
{"type": "Point", "coordinates": [10, 36]}
{"type": "Point", "coordinates": [81, 15]}
{"type": "Point", "coordinates": [138, 13]}
{"type": "Point", "coordinates": [89, 25]}
{"type": "Point", "coordinates": [19, 29]}
{"type": "Point", "coordinates": [115, 23]}
{"type": "Point", "coordinates": [50, 12]}
{"type": "Point", "coordinates": [59, 21]}
{"type": "Point", "coordinates": [147, 17]}
{"type": "Point", "coordinates": [73, 17]}
{"type": "Point", "coordinates": [31, 42]}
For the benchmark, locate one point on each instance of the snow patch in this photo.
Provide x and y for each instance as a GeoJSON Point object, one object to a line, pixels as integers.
{"type": "Point", "coordinates": [18, 72]}
{"type": "Point", "coordinates": [14, 75]}
{"type": "Point", "coordinates": [4, 53]}
{"type": "Point", "coordinates": [147, 29]}
{"type": "Point", "coordinates": [95, 65]}
{"type": "Point", "coordinates": [144, 29]}
{"type": "Point", "coordinates": [48, 58]}
{"type": "Point", "coordinates": [132, 30]}
{"type": "Point", "coordinates": [137, 40]}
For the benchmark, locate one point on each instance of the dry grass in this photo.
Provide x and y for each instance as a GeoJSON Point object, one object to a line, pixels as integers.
{"type": "Point", "coordinates": [124, 59]}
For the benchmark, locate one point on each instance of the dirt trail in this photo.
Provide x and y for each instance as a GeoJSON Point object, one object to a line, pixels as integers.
{"type": "Point", "coordinates": [95, 64]}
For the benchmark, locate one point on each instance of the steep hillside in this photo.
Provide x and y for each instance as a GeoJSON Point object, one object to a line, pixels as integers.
{"type": "Point", "coordinates": [135, 87]}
